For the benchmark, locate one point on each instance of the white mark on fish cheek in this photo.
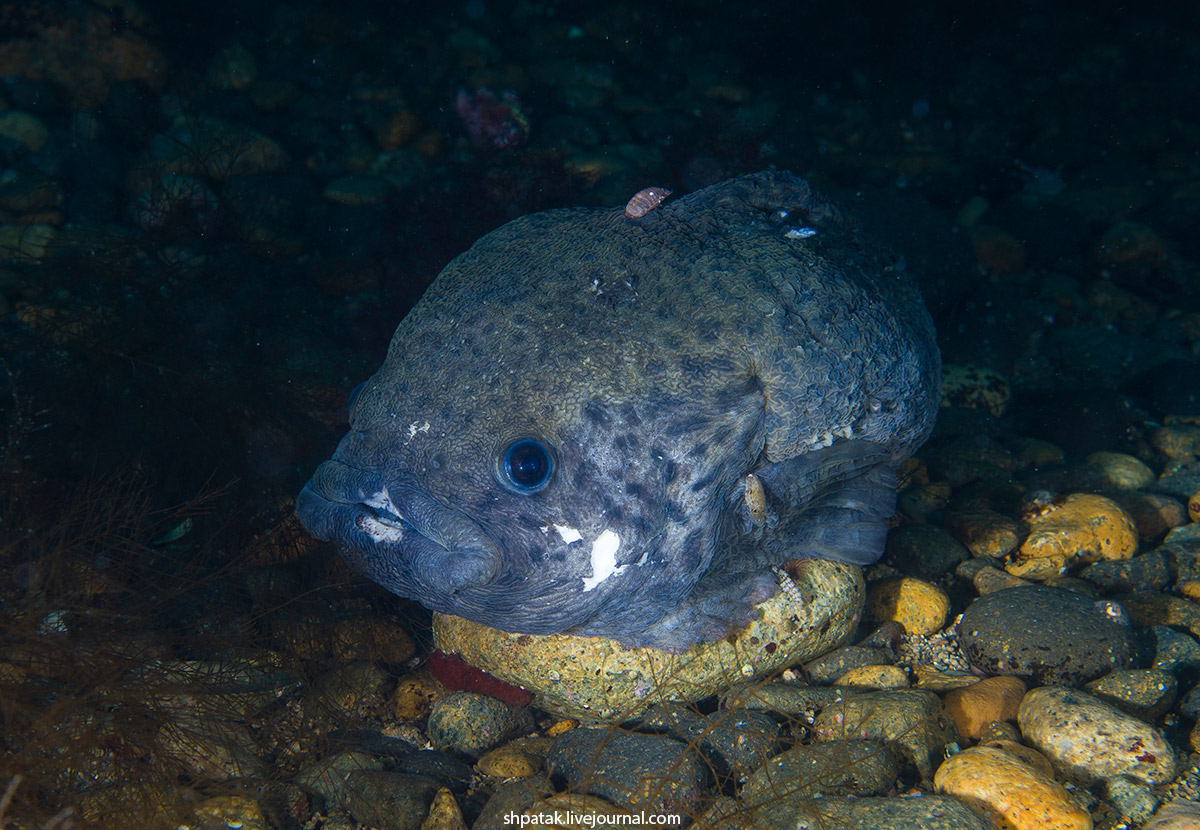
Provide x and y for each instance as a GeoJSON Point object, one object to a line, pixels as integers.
{"type": "Point", "coordinates": [568, 534]}
{"type": "Point", "coordinates": [414, 428]}
{"type": "Point", "coordinates": [378, 531]}
{"type": "Point", "coordinates": [604, 559]}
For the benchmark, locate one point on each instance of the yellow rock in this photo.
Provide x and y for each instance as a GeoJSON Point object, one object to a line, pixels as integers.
{"type": "Point", "coordinates": [985, 532]}
{"type": "Point", "coordinates": [1085, 528]}
{"type": "Point", "coordinates": [444, 813]}
{"type": "Point", "coordinates": [517, 759]}
{"type": "Point", "coordinates": [231, 811]}
{"type": "Point", "coordinates": [920, 606]}
{"type": "Point", "coordinates": [975, 387]}
{"type": "Point", "coordinates": [415, 695]}
{"type": "Point", "coordinates": [1193, 507]}
{"type": "Point", "coordinates": [1180, 441]}
{"type": "Point", "coordinates": [994, 699]}
{"type": "Point", "coordinates": [1024, 753]}
{"type": "Point", "coordinates": [1189, 589]}
{"type": "Point", "coordinates": [597, 679]}
{"type": "Point", "coordinates": [875, 677]}
{"type": "Point", "coordinates": [1013, 794]}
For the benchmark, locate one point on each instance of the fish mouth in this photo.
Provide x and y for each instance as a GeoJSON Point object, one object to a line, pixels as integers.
{"type": "Point", "coordinates": [397, 535]}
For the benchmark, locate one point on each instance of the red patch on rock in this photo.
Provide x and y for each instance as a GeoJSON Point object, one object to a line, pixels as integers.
{"type": "Point", "coordinates": [458, 675]}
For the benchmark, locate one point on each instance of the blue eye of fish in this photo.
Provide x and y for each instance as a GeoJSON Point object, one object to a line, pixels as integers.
{"type": "Point", "coordinates": [353, 396]}
{"type": "Point", "coordinates": [526, 466]}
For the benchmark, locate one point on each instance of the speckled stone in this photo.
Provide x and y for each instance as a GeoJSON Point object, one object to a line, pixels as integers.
{"type": "Point", "coordinates": [875, 677]}
{"type": "Point", "coordinates": [521, 758]}
{"type": "Point", "coordinates": [920, 606]}
{"type": "Point", "coordinates": [828, 668]}
{"type": "Point", "coordinates": [923, 550]}
{"type": "Point", "coordinates": [1045, 635]}
{"type": "Point", "coordinates": [632, 770]}
{"type": "Point", "coordinates": [914, 720]}
{"type": "Point", "coordinates": [1085, 528]}
{"type": "Point", "coordinates": [1012, 793]}
{"type": "Point", "coordinates": [1177, 440]}
{"type": "Point", "coordinates": [1122, 471]}
{"type": "Point", "coordinates": [1089, 740]}
{"type": "Point", "coordinates": [929, 812]}
{"type": "Point", "coordinates": [1180, 815]}
{"type": "Point", "coordinates": [471, 724]}
{"type": "Point", "coordinates": [1164, 610]}
{"type": "Point", "coordinates": [991, 699]}
{"type": "Point", "coordinates": [975, 387]}
{"type": "Point", "coordinates": [1154, 514]}
{"type": "Point", "coordinates": [596, 679]}
{"type": "Point", "coordinates": [1144, 693]}
{"type": "Point", "coordinates": [842, 767]}
{"type": "Point", "coordinates": [444, 813]}
{"type": "Point", "coordinates": [985, 532]}
{"type": "Point", "coordinates": [792, 699]}
{"type": "Point", "coordinates": [732, 742]}
{"type": "Point", "coordinates": [230, 811]}
{"type": "Point", "coordinates": [1142, 574]}
{"type": "Point", "coordinates": [389, 800]}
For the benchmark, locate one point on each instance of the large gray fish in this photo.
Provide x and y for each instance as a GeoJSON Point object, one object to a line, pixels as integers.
{"type": "Point", "coordinates": [617, 426]}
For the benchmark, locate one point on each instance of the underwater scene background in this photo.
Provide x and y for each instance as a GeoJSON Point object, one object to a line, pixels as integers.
{"type": "Point", "coordinates": [213, 217]}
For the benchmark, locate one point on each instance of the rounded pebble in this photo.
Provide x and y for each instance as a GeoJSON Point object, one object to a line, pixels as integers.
{"type": "Point", "coordinates": [875, 677]}
{"type": "Point", "coordinates": [1122, 471]}
{"type": "Point", "coordinates": [561, 670]}
{"type": "Point", "coordinates": [1012, 793]}
{"type": "Point", "coordinates": [471, 724]}
{"type": "Point", "coordinates": [920, 606]}
{"type": "Point", "coordinates": [1089, 740]}
{"type": "Point", "coordinates": [914, 721]}
{"type": "Point", "coordinates": [843, 767]}
{"type": "Point", "coordinates": [994, 699]}
{"type": "Point", "coordinates": [1045, 635]}
{"type": "Point", "coordinates": [985, 532]}
{"type": "Point", "coordinates": [630, 769]}
{"type": "Point", "coordinates": [1144, 693]}
{"type": "Point", "coordinates": [1179, 815]}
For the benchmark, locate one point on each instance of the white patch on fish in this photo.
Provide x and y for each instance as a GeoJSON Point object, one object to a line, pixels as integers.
{"type": "Point", "coordinates": [413, 429]}
{"type": "Point", "coordinates": [568, 534]}
{"type": "Point", "coordinates": [604, 559]}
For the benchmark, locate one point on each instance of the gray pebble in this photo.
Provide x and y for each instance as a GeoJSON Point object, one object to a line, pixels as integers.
{"type": "Point", "coordinates": [470, 724]}
{"type": "Point", "coordinates": [785, 698]}
{"type": "Point", "coordinates": [1144, 693]}
{"type": "Point", "coordinates": [924, 550]}
{"type": "Point", "coordinates": [732, 742]}
{"type": "Point", "coordinates": [913, 721]}
{"type": "Point", "coordinates": [326, 779]}
{"type": "Point", "coordinates": [925, 812]}
{"type": "Point", "coordinates": [389, 800]}
{"type": "Point", "coordinates": [1140, 575]}
{"type": "Point", "coordinates": [512, 797]}
{"type": "Point", "coordinates": [827, 668]}
{"type": "Point", "coordinates": [844, 767]}
{"type": "Point", "coordinates": [651, 773]}
{"type": "Point", "coordinates": [1046, 635]}
{"type": "Point", "coordinates": [1172, 650]}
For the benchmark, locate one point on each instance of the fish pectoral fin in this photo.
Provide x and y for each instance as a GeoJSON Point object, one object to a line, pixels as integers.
{"type": "Point", "coordinates": [838, 501]}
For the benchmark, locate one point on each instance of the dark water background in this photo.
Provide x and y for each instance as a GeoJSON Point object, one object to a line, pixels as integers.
{"type": "Point", "coordinates": [191, 285]}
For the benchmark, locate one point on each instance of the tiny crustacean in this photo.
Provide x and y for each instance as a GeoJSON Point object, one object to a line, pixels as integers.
{"type": "Point", "coordinates": [756, 498]}
{"type": "Point", "coordinates": [787, 584]}
{"type": "Point", "coordinates": [645, 200]}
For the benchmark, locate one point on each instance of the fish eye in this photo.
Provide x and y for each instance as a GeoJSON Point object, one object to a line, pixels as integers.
{"type": "Point", "coordinates": [526, 465]}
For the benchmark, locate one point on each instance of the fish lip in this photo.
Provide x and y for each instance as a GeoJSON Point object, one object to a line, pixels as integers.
{"type": "Point", "coordinates": [398, 535]}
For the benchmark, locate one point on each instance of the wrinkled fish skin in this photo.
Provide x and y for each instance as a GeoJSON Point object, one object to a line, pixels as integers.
{"type": "Point", "coordinates": [745, 329]}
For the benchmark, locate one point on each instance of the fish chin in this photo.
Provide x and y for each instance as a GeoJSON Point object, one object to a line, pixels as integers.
{"type": "Point", "coordinates": [397, 535]}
